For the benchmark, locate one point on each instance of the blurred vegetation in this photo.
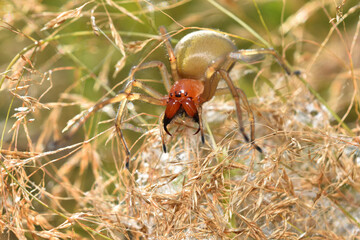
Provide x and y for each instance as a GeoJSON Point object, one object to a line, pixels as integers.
{"type": "Point", "coordinates": [59, 58]}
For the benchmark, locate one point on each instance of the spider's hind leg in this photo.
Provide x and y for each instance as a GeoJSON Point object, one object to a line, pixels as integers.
{"type": "Point", "coordinates": [253, 55]}
{"type": "Point", "coordinates": [238, 95]}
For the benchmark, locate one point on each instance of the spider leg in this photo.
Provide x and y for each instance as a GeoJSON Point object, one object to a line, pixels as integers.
{"type": "Point", "coordinates": [170, 50]}
{"type": "Point", "coordinates": [134, 83]}
{"type": "Point", "coordinates": [237, 95]}
{"type": "Point", "coordinates": [80, 119]}
{"type": "Point", "coordinates": [201, 125]}
{"type": "Point", "coordinates": [153, 97]}
{"type": "Point", "coordinates": [121, 110]}
{"type": "Point", "coordinates": [252, 55]}
{"type": "Point", "coordinates": [163, 71]}
{"type": "Point", "coordinates": [162, 134]}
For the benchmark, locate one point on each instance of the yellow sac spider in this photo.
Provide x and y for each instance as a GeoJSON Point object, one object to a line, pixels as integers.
{"type": "Point", "coordinates": [198, 62]}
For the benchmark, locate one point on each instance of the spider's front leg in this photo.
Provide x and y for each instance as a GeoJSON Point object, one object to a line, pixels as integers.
{"type": "Point", "coordinates": [154, 97]}
{"type": "Point", "coordinates": [121, 111]}
{"type": "Point", "coordinates": [170, 50]}
{"type": "Point", "coordinates": [74, 124]}
{"type": "Point", "coordinates": [123, 97]}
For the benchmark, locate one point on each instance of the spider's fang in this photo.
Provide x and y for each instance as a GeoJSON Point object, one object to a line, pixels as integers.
{"type": "Point", "coordinates": [166, 122]}
{"type": "Point", "coordinates": [196, 119]}
{"type": "Point", "coordinates": [197, 130]}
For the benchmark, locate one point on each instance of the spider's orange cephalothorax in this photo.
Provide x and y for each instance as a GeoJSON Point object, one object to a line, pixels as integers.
{"type": "Point", "coordinates": [183, 97]}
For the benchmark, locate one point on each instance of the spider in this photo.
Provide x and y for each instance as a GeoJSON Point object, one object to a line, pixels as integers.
{"type": "Point", "coordinates": [198, 62]}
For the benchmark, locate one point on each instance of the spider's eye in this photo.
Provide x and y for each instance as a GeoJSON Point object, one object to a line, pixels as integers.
{"type": "Point", "coordinates": [178, 94]}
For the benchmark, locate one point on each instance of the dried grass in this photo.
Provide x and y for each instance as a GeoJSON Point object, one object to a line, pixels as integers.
{"type": "Point", "coordinates": [306, 185]}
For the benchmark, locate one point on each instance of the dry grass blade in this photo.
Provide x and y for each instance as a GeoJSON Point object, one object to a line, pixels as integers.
{"type": "Point", "coordinates": [136, 46]}
{"type": "Point", "coordinates": [93, 23]}
{"type": "Point", "coordinates": [118, 40]}
{"type": "Point", "coordinates": [301, 16]}
{"type": "Point", "coordinates": [123, 10]}
{"type": "Point", "coordinates": [119, 65]}
{"type": "Point", "coordinates": [62, 17]}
